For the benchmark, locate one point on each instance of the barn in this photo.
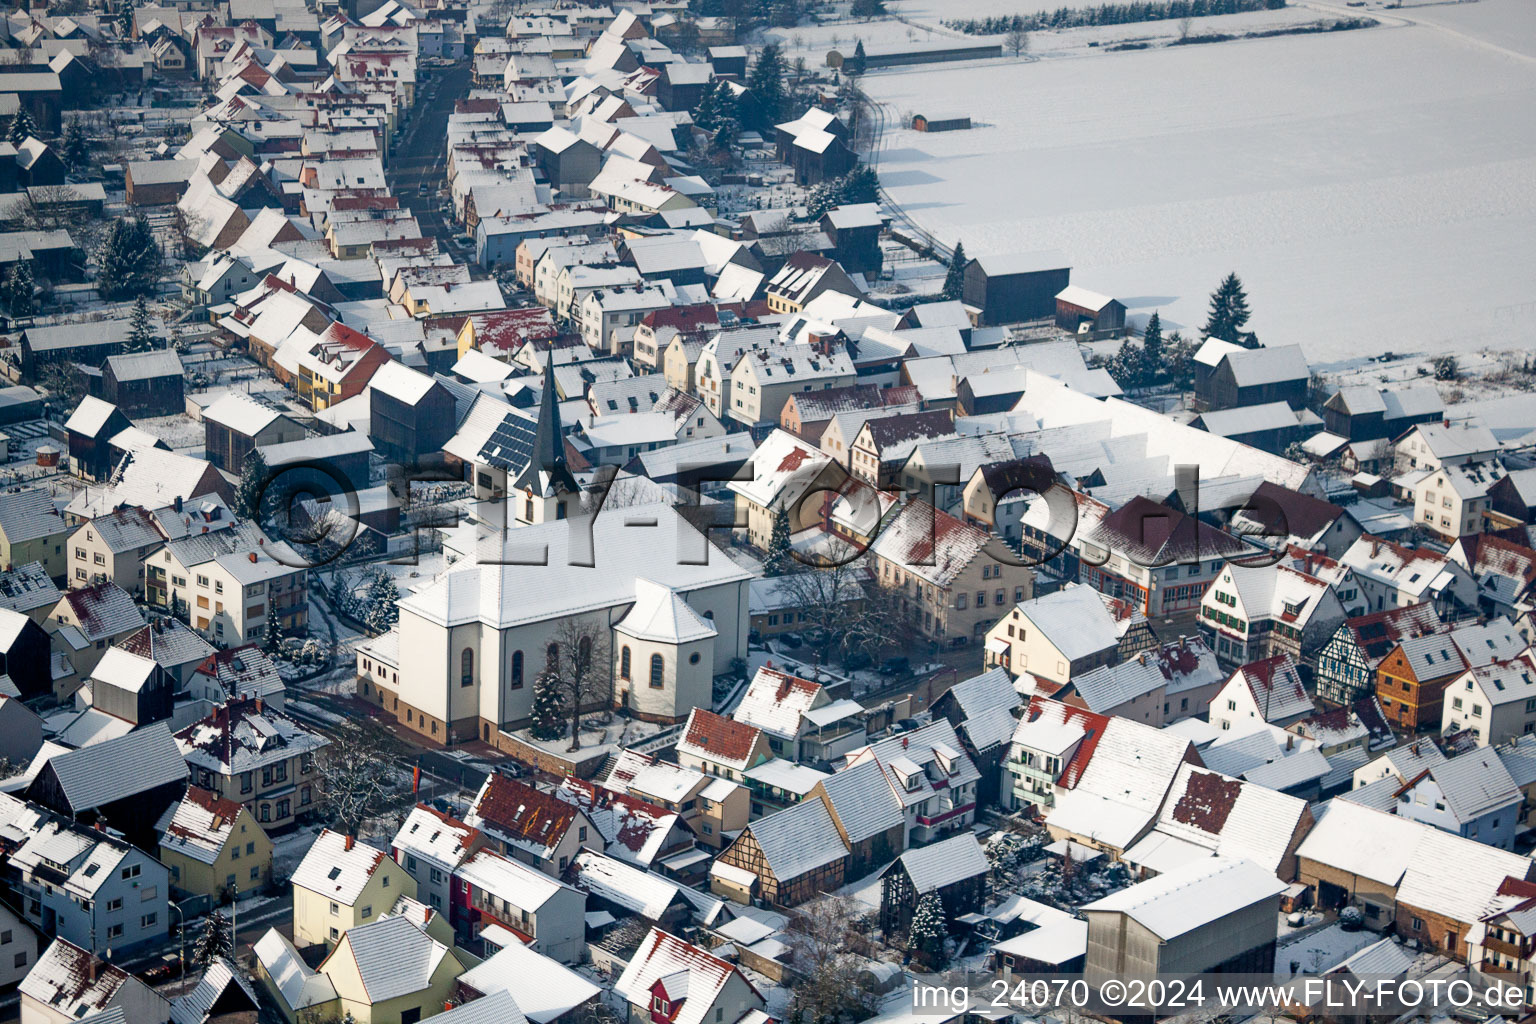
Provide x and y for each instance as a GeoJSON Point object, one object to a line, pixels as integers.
{"type": "Point", "coordinates": [1089, 314]}
{"type": "Point", "coordinates": [1014, 287]}
{"type": "Point", "coordinates": [940, 122]}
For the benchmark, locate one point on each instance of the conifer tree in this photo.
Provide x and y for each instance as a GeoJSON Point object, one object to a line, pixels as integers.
{"type": "Point", "coordinates": [1152, 345]}
{"type": "Point", "coordinates": [141, 331]}
{"type": "Point", "coordinates": [214, 942]}
{"type": "Point", "coordinates": [253, 485]}
{"type": "Point", "coordinates": [129, 260]}
{"type": "Point", "coordinates": [779, 561]}
{"type": "Point", "coordinates": [21, 128]}
{"type": "Point", "coordinates": [925, 935]}
{"type": "Point", "coordinates": [548, 711]}
{"type": "Point", "coordinates": [383, 603]}
{"type": "Point", "coordinates": [272, 639]}
{"type": "Point", "coordinates": [765, 87]}
{"type": "Point", "coordinates": [954, 281]}
{"type": "Point", "coordinates": [77, 146]}
{"type": "Point", "coordinates": [1229, 311]}
{"type": "Point", "coordinates": [860, 185]}
{"type": "Point", "coordinates": [859, 62]}
{"type": "Point", "coordinates": [17, 290]}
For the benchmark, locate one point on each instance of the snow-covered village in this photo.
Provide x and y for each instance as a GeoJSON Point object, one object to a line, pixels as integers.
{"type": "Point", "coordinates": [767, 511]}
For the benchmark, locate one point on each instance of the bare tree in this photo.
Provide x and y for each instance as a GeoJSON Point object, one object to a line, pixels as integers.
{"type": "Point", "coordinates": [1018, 42]}
{"type": "Point", "coordinates": [827, 598]}
{"type": "Point", "coordinates": [580, 669]}
{"type": "Point", "coordinates": [880, 624]}
{"type": "Point", "coordinates": [357, 775]}
{"type": "Point", "coordinates": [1185, 24]}
{"type": "Point", "coordinates": [828, 943]}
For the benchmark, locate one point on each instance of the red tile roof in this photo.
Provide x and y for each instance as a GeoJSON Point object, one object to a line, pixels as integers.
{"type": "Point", "coordinates": [523, 812]}
{"type": "Point", "coordinates": [720, 737]}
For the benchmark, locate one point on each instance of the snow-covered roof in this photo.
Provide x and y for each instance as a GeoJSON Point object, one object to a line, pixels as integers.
{"type": "Point", "coordinates": [1230, 817]}
{"type": "Point", "coordinates": [543, 989]}
{"type": "Point", "coordinates": [524, 887]}
{"type": "Point", "coordinates": [394, 957]}
{"type": "Point", "coordinates": [687, 973]}
{"type": "Point", "coordinates": [944, 863]}
{"type": "Point", "coordinates": [798, 839]}
{"type": "Point", "coordinates": [1074, 620]}
{"type": "Point", "coordinates": [435, 836]}
{"type": "Point", "coordinates": [775, 702]}
{"type": "Point", "coordinates": [201, 825]}
{"type": "Point", "coordinates": [299, 985]}
{"type": "Point", "coordinates": [337, 867]}
{"type": "Point", "coordinates": [863, 800]}
{"type": "Point", "coordinates": [1192, 895]}
{"type": "Point", "coordinates": [119, 768]}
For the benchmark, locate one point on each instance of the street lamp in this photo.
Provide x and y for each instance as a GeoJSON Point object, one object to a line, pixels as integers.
{"type": "Point", "coordinates": [181, 935]}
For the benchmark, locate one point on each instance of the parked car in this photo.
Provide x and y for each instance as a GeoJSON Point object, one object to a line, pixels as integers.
{"type": "Point", "coordinates": [896, 666]}
{"type": "Point", "coordinates": [857, 660]}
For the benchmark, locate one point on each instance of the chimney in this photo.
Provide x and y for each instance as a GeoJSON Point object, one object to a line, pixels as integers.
{"type": "Point", "coordinates": [260, 705]}
{"type": "Point", "coordinates": [347, 845]}
{"type": "Point", "coordinates": [253, 556]}
{"type": "Point", "coordinates": [1290, 741]}
{"type": "Point", "coordinates": [177, 504]}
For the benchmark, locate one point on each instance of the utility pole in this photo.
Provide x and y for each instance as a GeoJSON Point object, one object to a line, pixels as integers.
{"type": "Point", "coordinates": [234, 925]}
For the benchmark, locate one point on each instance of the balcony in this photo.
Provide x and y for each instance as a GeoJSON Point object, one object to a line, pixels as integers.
{"type": "Point", "coordinates": [1513, 950]}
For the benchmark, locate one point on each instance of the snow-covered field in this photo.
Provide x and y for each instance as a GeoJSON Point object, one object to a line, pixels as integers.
{"type": "Point", "coordinates": [1372, 188]}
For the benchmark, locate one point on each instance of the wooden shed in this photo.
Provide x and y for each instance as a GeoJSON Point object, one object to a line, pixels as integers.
{"type": "Point", "coordinates": [1088, 314]}
{"type": "Point", "coordinates": [940, 122]}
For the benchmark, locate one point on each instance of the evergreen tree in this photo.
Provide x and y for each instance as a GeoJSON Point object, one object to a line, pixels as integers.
{"type": "Point", "coordinates": [954, 281]}
{"type": "Point", "coordinates": [253, 485]}
{"type": "Point", "coordinates": [867, 8]}
{"type": "Point", "coordinates": [859, 62]}
{"type": "Point", "coordinates": [17, 290]}
{"type": "Point", "coordinates": [22, 127]}
{"type": "Point", "coordinates": [1128, 366]}
{"type": "Point", "coordinates": [129, 260]}
{"type": "Point", "coordinates": [765, 89]}
{"type": "Point", "coordinates": [383, 603]}
{"type": "Point", "coordinates": [860, 185]}
{"type": "Point", "coordinates": [822, 197]}
{"type": "Point", "coordinates": [707, 114]}
{"type": "Point", "coordinates": [779, 561]}
{"type": "Point", "coordinates": [272, 639]}
{"type": "Point", "coordinates": [77, 146]}
{"type": "Point", "coordinates": [926, 933]}
{"type": "Point", "coordinates": [548, 711]}
{"type": "Point", "coordinates": [1152, 346]}
{"type": "Point", "coordinates": [141, 330]}
{"type": "Point", "coordinates": [1229, 311]}
{"type": "Point", "coordinates": [125, 20]}
{"type": "Point", "coordinates": [178, 608]}
{"type": "Point", "coordinates": [214, 942]}
{"type": "Point", "coordinates": [1179, 361]}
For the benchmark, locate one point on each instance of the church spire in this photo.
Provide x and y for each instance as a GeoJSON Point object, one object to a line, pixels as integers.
{"type": "Point", "coordinates": [548, 453]}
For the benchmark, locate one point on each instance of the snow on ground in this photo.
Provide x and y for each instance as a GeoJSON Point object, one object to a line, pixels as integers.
{"type": "Point", "coordinates": [1371, 187]}
{"type": "Point", "coordinates": [814, 42]}
{"type": "Point", "coordinates": [1316, 951]}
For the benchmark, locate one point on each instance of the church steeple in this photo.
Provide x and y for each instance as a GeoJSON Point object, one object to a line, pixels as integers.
{"type": "Point", "coordinates": [547, 471]}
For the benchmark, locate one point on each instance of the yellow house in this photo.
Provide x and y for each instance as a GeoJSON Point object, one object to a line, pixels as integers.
{"type": "Point", "coordinates": [391, 972]}
{"type": "Point", "coordinates": [214, 845]}
{"type": "Point", "coordinates": [386, 972]}
{"type": "Point", "coordinates": [340, 885]}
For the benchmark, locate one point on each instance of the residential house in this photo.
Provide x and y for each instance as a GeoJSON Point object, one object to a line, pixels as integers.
{"type": "Point", "coordinates": [678, 982]}
{"type": "Point", "coordinates": [1412, 680]}
{"type": "Point", "coordinates": [955, 869]}
{"type": "Point", "coordinates": [1500, 945]}
{"type": "Point", "coordinates": [711, 808]}
{"type": "Point", "coordinates": [637, 831]}
{"type": "Point", "coordinates": [1216, 914]}
{"type": "Point", "coordinates": [1471, 795]}
{"type": "Point", "coordinates": [341, 884]}
{"type": "Point", "coordinates": [1253, 613]}
{"type": "Point", "coordinates": [1504, 567]}
{"type": "Point", "coordinates": [721, 746]}
{"type": "Point", "coordinates": [783, 858]}
{"type": "Point", "coordinates": [499, 894]}
{"type": "Point", "coordinates": [982, 711]}
{"type": "Point", "coordinates": [882, 445]}
{"type": "Point", "coordinates": [932, 776]}
{"type": "Point", "coordinates": [1496, 703]}
{"type": "Point", "coordinates": [945, 574]}
{"type": "Point", "coordinates": [385, 971]}
{"type": "Point", "coordinates": [1346, 666]}
{"type": "Point", "coordinates": [236, 673]}
{"type": "Point", "coordinates": [530, 825]}
{"type": "Point", "coordinates": [68, 983]}
{"type": "Point", "coordinates": [787, 476]}
{"type": "Point", "coordinates": [214, 846]}
{"type": "Point", "coordinates": [1269, 690]}
{"type": "Point", "coordinates": [18, 948]}
{"type": "Point", "coordinates": [1436, 445]}
{"type": "Point", "coordinates": [255, 755]}
{"type": "Point", "coordinates": [1452, 500]}
{"type": "Point", "coordinates": [803, 277]}
{"type": "Point", "coordinates": [113, 547]}
{"type": "Point", "coordinates": [32, 530]}
{"type": "Point", "coordinates": [1066, 632]}
{"type": "Point", "coordinates": [868, 812]}
{"type": "Point", "coordinates": [91, 888]}
{"type": "Point", "coordinates": [229, 582]}
{"type": "Point", "coordinates": [799, 719]}
{"type": "Point", "coordinates": [763, 379]}
{"type": "Point", "coordinates": [431, 845]}
{"type": "Point", "coordinates": [1394, 576]}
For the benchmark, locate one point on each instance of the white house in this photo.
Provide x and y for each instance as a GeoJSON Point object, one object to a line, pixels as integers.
{"type": "Point", "coordinates": [1269, 691]}
{"type": "Point", "coordinates": [1496, 703]}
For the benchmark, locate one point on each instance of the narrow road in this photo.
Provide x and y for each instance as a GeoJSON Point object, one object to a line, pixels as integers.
{"type": "Point", "coordinates": [420, 154]}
